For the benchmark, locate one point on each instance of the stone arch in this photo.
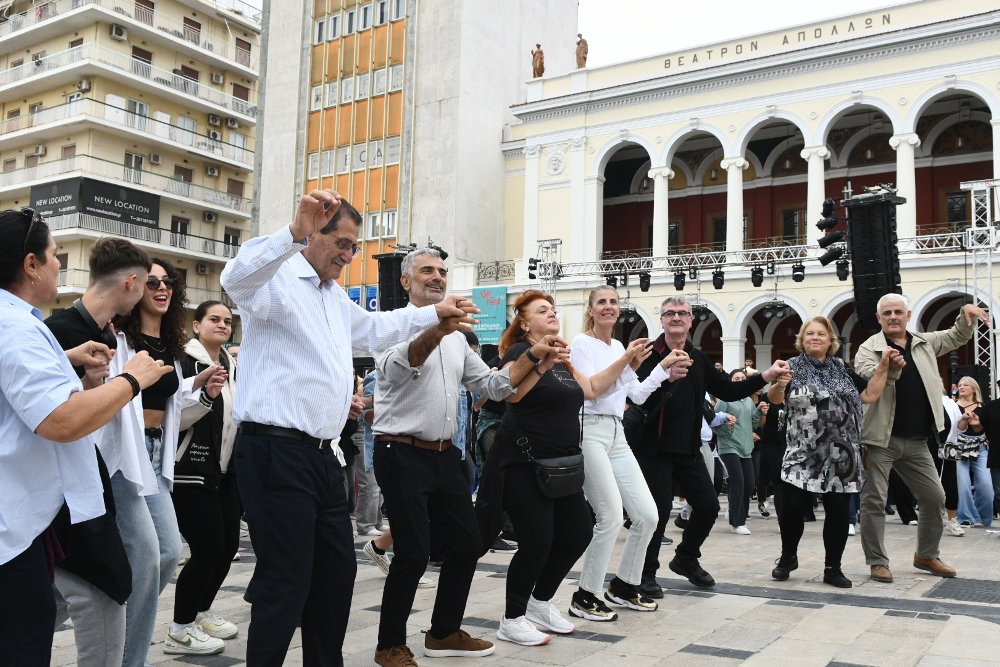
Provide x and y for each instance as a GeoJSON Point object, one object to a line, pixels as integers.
{"type": "Point", "coordinates": [607, 151]}
{"type": "Point", "coordinates": [641, 173]}
{"type": "Point", "coordinates": [647, 318]}
{"type": "Point", "coordinates": [708, 161]}
{"type": "Point", "coordinates": [935, 321]}
{"type": "Point", "coordinates": [926, 146]}
{"type": "Point", "coordinates": [831, 307]}
{"type": "Point", "coordinates": [841, 108]}
{"type": "Point", "coordinates": [775, 153]}
{"type": "Point", "coordinates": [924, 301]}
{"type": "Point", "coordinates": [928, 96]}
{"type": "Point", "coordinates": [677, 138]}
{"type": "Point", "coordinates": [799, 309]}
{"type": "Point", "coordinates": [757, 122]}
{"type": "Point", "coordinates": [699, 330]}
{"type": "Point", "coordinates": [851, 144]}
{"type": "Point", "coordinates": [681, 166]}
{"type": "Point", "coordinates": [744, 318]}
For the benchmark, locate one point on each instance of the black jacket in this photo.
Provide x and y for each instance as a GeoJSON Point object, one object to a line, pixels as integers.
{"type": "Point", "coordinates": [703, 377]}
{"type": "Point", "coordinates": [199, 462]}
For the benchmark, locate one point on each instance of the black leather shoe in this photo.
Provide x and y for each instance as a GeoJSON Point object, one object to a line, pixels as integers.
{"type": "Point", "coordinates": [692, 571]}
{"type": "Point", "coordinates": [650, 588]}
{"type": "Point", "coordinates": [681, 523]}
{"type": "Point", "coordinates": [834, 577]}
{"type": "Point", "coordinates": [783, 567]}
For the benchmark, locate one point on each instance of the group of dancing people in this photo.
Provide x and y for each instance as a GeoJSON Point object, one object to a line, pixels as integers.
{"type": "Point", "coordinates": [560, 465]}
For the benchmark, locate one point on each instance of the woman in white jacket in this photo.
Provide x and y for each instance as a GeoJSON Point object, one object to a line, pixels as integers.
{"type": "Point", "coordinates": [138, 447]}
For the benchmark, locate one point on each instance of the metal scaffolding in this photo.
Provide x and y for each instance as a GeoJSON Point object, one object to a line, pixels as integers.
{"type": "Point", "coordinates": [981, 240]}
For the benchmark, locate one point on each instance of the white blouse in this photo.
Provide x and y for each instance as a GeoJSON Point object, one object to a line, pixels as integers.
{"type": "Point", "coordinates": [590, 356]}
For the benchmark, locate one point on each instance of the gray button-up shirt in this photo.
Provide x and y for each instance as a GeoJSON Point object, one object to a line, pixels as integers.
{"type": "Point", "coordinates": [422, 401]}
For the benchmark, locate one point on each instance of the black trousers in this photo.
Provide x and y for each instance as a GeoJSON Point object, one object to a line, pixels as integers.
{"type": "Point", "coordinates": [795, 503]}
{"type": "Point", "coordinates": [431, 509]}
{"type": "Point", "coordinates": [209, 520]}
{"type": "Point", "coordinates": [27, 609]}
{"type": "Point", "coordinates": [296, 508]}
{"type": "Point", "coordinates": [740, 487]}
{"type": "Point", "coordinates": [902, 498]}
{"type": "Point", "coordinates": [662, 471]}
{"type": "Point", "coordinates": [552, 535]}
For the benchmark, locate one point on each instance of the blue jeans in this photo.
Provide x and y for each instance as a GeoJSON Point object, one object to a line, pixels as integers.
{"type": "Point", "coordinates": [152, 541]}
{"type": "Point", "coordinates": [977, 508]}
{"type": "Point", "coordinates": [855, 505]}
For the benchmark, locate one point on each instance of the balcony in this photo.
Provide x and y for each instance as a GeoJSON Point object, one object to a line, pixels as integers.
{"type": "Point", "coordinates": [491, 273]}
{"type": "Point", "coordinates": [89, 166]}
{"type": "Point", "coordinates": [50, 122]}
{"type": "Point", "coordinates": [19, 30]}
{"type": "Point", "coordinates": [155, 238]}
{"type": "Point", "coordinates": [79, 61]}
{"type": "Point", "coordinates": [74, 281]}
{"type": "Point", "coordinates": [233, 10]}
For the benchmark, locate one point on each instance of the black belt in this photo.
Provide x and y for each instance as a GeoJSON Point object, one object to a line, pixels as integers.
{"type": "Point", "coordinates": [252, 428]}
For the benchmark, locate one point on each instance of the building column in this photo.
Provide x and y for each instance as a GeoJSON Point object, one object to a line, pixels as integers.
{"type": "Point", "coordinates": [732, 352]}
{"type": "Point", "coordinates": [906, 183]}
{"type": "Point", "coordinates": [661, 219]}
{"type": "Point", "coordinates": [531, 159]}
{"type": "Point", "coordinates": [763, 359]}
{"type": "Point", "coordinates": [996, 147]}
{"type": "Point", "coordinates": [816, 189]}
{"type": "Point", "coordinates": [577, 198]}
{"type": "Point", "coordinates": [593, 218]}
{"type": "Point", "coordinates": [734, 202]}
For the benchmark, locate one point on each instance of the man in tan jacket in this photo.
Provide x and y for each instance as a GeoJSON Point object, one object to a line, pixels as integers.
{"type": "Point", "coordinates": [898, 439]}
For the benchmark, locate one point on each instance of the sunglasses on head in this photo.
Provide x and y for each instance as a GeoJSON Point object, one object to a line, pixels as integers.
{"type": "Point", "coordinates": [35, 218]}
{"type": "Point", "coordinates": [153, 282]}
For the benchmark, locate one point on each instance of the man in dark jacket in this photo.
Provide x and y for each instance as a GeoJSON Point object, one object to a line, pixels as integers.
{"type": "Point", "coordinates": [670, 447]}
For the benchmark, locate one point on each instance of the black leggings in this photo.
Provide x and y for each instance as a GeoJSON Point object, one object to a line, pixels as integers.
{"type": "Point", "coordinates": [552, 535]}
{"type": "Point", "coordinates": [209, 520]}
{"type": "Point", "coordinates": [795, 502]}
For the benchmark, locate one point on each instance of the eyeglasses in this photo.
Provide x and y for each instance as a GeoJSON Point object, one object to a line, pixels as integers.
{"type": "Point", "coordinates": [343, 245]}
{"type": "Point", "coordinates": [671, 314]}
{"type": "Point", "coordinates": [35, 219]}
{"type": "Point", "coordinates": [153, 282]}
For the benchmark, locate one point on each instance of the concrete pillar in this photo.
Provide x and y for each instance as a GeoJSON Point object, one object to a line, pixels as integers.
{"type": "Point", "coordinates": [577, 199]}
{"type": "Point", "coordinates": [593, 218]}
{"type": "Point", "coordinates": [732, 352]}
{"type": "Point", "coordinates": [816, 190]}
{"type": "Point", "coordinates": [661, 219]}
{"type": "Point", "coordinates": [763, 359]}
{"type": "Point", "coordinates": [531, 159]}
{"type": "Point", "coordinates": [906, 183]}
{"type": "Point", "coordinates": [734, 202]}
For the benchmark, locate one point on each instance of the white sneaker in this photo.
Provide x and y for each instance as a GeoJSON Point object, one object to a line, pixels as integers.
{"type": "Point", "coordinates": [677, 505]}
{"type": "Point", "coordinates": [686, 511]}
{"type": "Point", "coordinates": [426, 583]}
{"type": "Point", "coordinates": [382, 560]}
{"type": "Point", "coordinates": [739, 530]}
{"type": "Point", "coordinates": [216, 626]}
{"type": "Point", "coordinates": [952, 527]}
{"type": "Point", "coordinates": [850, 530]}
{"type": "Point", "coordinates": [369, 532]}
{"type": "Point", "coordinates": [545, 614]}
{"type": "Point", "coordinates": [192, 640]}
{"type": "Point", "coordinates": [521, 631]}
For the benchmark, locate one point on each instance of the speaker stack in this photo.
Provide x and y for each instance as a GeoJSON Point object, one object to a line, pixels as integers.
{"type": "Point", "coordinates": [391, 294]}
{"type": "Point", "coordinates": [871, 239]}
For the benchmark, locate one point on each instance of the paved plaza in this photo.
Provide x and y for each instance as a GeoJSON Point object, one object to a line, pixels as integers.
{"type": "Point", "coordinates": [746, 619]}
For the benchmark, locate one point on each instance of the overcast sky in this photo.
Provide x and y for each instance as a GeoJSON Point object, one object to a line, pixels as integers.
{"type": "Point", "coordinates": [629, 29]}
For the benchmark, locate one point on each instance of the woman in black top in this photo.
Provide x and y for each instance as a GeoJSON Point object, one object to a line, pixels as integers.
{"type": "Point", "coordinates": [205, 498]}
{"type": "Point", "coordinates": [553, 533]}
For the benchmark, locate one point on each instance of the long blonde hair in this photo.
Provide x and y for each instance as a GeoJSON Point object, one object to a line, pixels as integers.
{"type": "Point", "coordinates": [588, 318]}
{"type": "Point", "coordinates": [977, 392]}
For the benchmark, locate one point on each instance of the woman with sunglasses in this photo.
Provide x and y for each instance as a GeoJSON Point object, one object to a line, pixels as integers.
{"type": "Point", "coordinates": [205, 498]}
{"type": "Point", "coordinates": [47, 456]}
{"type": "Point", "coordinates": [140, 446]}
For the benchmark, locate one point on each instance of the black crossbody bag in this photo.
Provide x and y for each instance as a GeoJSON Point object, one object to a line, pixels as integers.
{"type": "Point", "coordinates": [556, 476]}
{"type": "Point", "coordinates": [636, 417]}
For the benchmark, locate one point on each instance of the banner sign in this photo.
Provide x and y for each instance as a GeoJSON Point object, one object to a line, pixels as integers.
{"type": "Point", "coordinates": [103, 200]}
{"type": "Point", "coordinates": [371, 302]}
{"type": "Point", "coordinates": [354, 293]}
{"type": "Point", "coordinates": [492, 301]}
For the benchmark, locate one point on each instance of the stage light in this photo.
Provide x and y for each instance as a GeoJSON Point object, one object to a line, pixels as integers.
{"type": "Point", "coordinates": [798, 272]}
{"type": "Point", "coordinates": [831, 238]}
{"type": "Point", "coordinates": [700, 313]}
{"type": "Point", "coordinates": [679, 280]}
{"type": "Point", "coordinates": [718, 279]}
{"type": "Point", "coordinates": [829, 204]}
{"type": "Point", "coordinates": [831, 255]}
{"type": "Point", "coordinates": [613, 281]}
{"type": "Point", "coordinates": [644, 279]}
{"type": "Point", "coordinates": [768, 312]}
{"type": "Point", "coordinates": [770, 267]}
{"type": "Point", "coordinates": [693, 273]}
{"type": "Point", "coordinates": [843, 269]}
{"type": "Point", "coordinates": [757, 276]}
{"type": "Point", "coordinates": [780, 312]}
{"type": "Point", "coordinates": [532, 267]}
{"type": "Point", "coordinates": [827, 224]}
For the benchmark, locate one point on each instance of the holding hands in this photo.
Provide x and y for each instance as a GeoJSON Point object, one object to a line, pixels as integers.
{"type": "Point", "coordinates": [146, 370]}
{"type": "Point", "coordinates": [212, 379]}
{"type": "Point", "coordinates": [637, 352]}
{"type": "Point", "coordinates": [454, 313]}
{"type": "Point", "coordinates": [777, 369]}
{"type": "Point", "coordinates": [551, 349]}
{"type": "Point", "coordinates": [95, 358]}
{"type": "Point", "coordinates": [891, 358]}
{"type": "Point", "coordinates": [679, 363]}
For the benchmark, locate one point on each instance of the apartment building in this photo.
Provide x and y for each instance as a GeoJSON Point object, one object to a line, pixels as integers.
{"type": "Point", "coordinates": [133, 118]}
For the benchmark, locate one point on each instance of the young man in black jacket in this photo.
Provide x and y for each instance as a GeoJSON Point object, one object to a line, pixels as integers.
{"type": "Point", "coordinates": [669, 449]}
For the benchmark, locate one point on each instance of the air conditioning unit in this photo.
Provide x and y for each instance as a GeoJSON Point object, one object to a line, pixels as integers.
{"type": "Point", "coordinates": [83, 85]}
{"type": "Point", "coordinates": [217, 78]}
{"type": "Point", "coordinates": [202, 268]}
{"type": "Point", "coordinates": [215, 135]}
{"type": "Point", "coordinates": [155, 158]}
{"type": "Point", "coordinates": [209, 216]}
{"type": "Point", "coordinates": [118, 32]}
{"type": "Point", "coordinates": [39, 150]}
{"type": "Point", "coordinates": [214, 120]}
{"type": "Point", "coordinates": [212, 171]}
{"type": "Point", "coordinates": [232, 122]}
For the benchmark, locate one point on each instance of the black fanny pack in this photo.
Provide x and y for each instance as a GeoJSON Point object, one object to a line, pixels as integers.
{"type": "Point", "coordinates": [556, 476]}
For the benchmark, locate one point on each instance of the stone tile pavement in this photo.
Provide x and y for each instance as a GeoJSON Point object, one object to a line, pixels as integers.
{"type": "Point", "coordinates": [748, 618]}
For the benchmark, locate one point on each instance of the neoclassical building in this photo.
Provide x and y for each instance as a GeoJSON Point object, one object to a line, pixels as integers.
{"type": "Point", "coordinates": [718, 159]}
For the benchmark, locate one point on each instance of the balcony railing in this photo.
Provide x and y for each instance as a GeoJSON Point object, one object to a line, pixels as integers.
{"type": "Point", "coordinates": [119, 172]}
{"type": "Point", "coordinates": [167, 24]}
{"type": "Point", "coordinates": [240, 8]}
{"type": "Point", "coordinates": [77, 278]}
{"type": "Point", "coordinates": [488, 273]}
{"type": "Point", "coordinates": [136, 67]}
{"type": "Point", "coordinates": [158, 235]}
{"type": "Point", "coordinates": [93, 109]}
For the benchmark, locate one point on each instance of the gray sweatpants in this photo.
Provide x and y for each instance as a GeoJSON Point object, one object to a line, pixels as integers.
{"type": "Point", "coordinates": [98, 621]}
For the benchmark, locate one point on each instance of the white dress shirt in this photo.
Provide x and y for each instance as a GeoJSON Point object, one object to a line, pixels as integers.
{"type": "Point", "coordinates": [37, 475]}
{"type": "Point", "coordinates": [299, 335]}
{"type": "Point", "coordinates": [590, 356]}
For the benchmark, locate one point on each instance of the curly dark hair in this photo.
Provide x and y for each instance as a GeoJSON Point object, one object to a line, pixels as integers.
{"type": "Point", "coordinates": [173, 327]}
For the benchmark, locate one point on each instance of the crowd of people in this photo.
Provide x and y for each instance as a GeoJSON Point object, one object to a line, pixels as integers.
{"type": "Point", "coordinates": [127, 433]}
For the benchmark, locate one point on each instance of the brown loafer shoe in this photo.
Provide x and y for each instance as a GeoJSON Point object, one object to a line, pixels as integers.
{"type": "Point", "coordinates": [458, 644]}
{"type": "Point", "coordinates": [395, 656]}
{"type": "Point", "coordinates": [882, 573]}
{"type": "Point", "coordinates": [934, 566]}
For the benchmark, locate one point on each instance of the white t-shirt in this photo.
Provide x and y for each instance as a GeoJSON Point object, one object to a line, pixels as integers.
{"type": "Point", "coordinates": [590, 356]}
{"type": "Point", "coordinates": [954, 414]}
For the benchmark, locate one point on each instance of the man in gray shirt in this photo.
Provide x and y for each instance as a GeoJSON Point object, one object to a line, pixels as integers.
{"type": "Point", "coordinates": [419, 471]}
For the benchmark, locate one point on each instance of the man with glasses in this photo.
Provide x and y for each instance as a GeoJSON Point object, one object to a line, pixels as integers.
{"type": "Point", "coordinates": [670, 448]}
{"type": "Point", "coordinates": [296, 394]}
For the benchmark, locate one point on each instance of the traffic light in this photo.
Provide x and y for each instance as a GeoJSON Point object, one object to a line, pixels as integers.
{"type": "Point", "coordinates": [644, 279]}
{"type": "Point", "coordinates": [757, 276]}
{"type": "Point", "coordinates": [532, 267]}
